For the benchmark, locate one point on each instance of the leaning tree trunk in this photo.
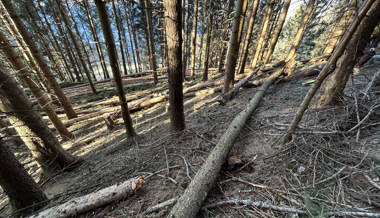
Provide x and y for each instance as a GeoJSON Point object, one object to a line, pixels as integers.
{"type": "Point", "coordinates": [58, 46]}
{"type": "Point", "coordinates": [81, 40]}
{"type": "Point", "coordinates": [331, 90]}
{"type": "Point", "coordinates": [263, 33]}
{"type": "Point", "coordinates": [223, 37]}
{"type": "Point", "coordinates": [22, 72]}
{"type": "Point", "coordinates": [338, 31]}
{"type": "Point", "coordinates": [134, 37]}
{"type": "Point", "coordinates": [276, 35]}
{"type": "Point", "coordinates": [373, 12]}
{"type": "Point", "coordinates": [48, 152]}
{"type": "Point", "coordinates": [290, 58]}
{"type": "Point", "coordinates": [112, 54]}
{"type": "Point", "coordinates": [192, 199]}
{"type": "Point", "coordinates": [233, 50]}
{"type": "Point", "coordinates": [173, 25]}
{"type": "Point", "coordinates": [248, 36]}
{"type": "Point", "coordinates": [119, 37]}
{"type": "Point", "coordinates": [96, 39]}
{"type": "Point", "coordinates": [194, 38]}
{"type": "Point", "coordinates": [208, 41]}
{"type": "Point", "coordinates": [76, 46]}
{"type": "Point", "coordinates": [39, 59]}
{"type": "Point", "coordinates": [10, 131]}
{"type": "Point", "coordinates": [23, 193]}
{"type": "Point", "coordinates": [151, 41]}
{"type": "Point", "coordinates": [26, 53]}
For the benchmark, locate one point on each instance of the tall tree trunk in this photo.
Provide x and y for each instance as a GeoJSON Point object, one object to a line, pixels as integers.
{"type": "Point", "coordinates": [96, 39]}
{"type": "Point", "coordinates": [65, 43]}
{"type": "Point", "coordinates": [58, 46]}
{"type": "Point", "coordinates": [39, 59]}
{"type": "Point", "coordinates": [237, 29]}
{"type": "Point", "coordinates": [208, 41]}
{"type": "Point", "coordinates": [331, 91]}
{"type": "Point", "coordinates": [184, 36]}
{"type": "Point", "coordinates": [24, 194]}
{"type": "Point", "coordinates": [290, 62]}
{"type": "Point", "coordinates": [48, 153]}
{"type": "Point", "coordinates": [174, 39]}
{"type": "Point", "coordinates": [194, 38]}
{"type": "Point", "coordinates": [112, 54]}
{"type": "Point", "coordinates": [248, 36]}
{"type": "Point", "coordinates": [204, 7]}
{"type": "Point", "coordinates": [151, 41]}
{"type": "Point", "coordinates": [119, 37]}
{"type": "Point", "coordinates": [371, 12]}
{"type": "Point", "coordinates": [338, 31]}
{"type": "Point", "coordinates": [130, 40]}
{"type": "Point", "coordinates": [8, 22]}
{"type": "Point", "coordinates": [134, 37]}
{"type": "Point", "coordinates": [276, 35]}
{"type": "Point", "coordinates": [22, 72]}
{"type": "Point", "coordinates": [224, 36]}
{"type": "Point", "coordinates": [76, 46]}
{"type": "Point", "coordinates": [263, 33]}
{"type": "Point", "coordinates": [81, 40]}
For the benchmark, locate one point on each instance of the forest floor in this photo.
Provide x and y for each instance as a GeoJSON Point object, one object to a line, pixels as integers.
{"type": "Point", "coordinates": [324, 169]}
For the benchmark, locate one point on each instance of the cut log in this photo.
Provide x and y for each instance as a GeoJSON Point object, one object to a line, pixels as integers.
{"type": "Point", "coordinates": [94, 200]}
{"type": "Point", "coordinates": [192, 199]}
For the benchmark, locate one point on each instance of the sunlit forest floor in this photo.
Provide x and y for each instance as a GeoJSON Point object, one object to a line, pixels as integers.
{"type": "Point", "coordinates": [324, 169]}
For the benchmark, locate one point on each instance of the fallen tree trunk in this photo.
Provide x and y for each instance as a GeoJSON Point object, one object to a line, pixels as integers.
{"type": "Point", "coordinates": [313, 71]}
{"type": "Point", "coordinates": [93, 200]}
{"type": "Point", "coordinates": [233, 92]}
{"type": "Point", "coordinates": [192, 199]}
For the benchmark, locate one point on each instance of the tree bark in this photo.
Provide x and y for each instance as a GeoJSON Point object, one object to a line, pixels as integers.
{"type": "Point", "coordinates": [194, 38]}
{"type": "Point", "coordinates": [263, 33]}
{"type": "Point", "coordinates": [112, 54]}
{"type": "Point", "coordinates": [48, 153]}
{"type": "Point", "coordinates": [151, 40]}
{"type": "Point", "coordinates": [94, 200]}
{"type": "Point", "coordinates": [24, 194]}
{"type": "Point", "coordinates": [10, 131]}
{"type": "Point", "coordinates": [290, 62]}
{"type": "Point", "coordinates": [39, 59]}
{"type": "Point", "coordinates": [330, 65]}
{"type": "Point", "coordinates": [184, 36]}
{"type": "Point", "coordinates": [22, 72]}
{"type": "Point", "coordinates": [276, 35]}
{"type": "Point", "coordinates": [174, 40]}
{"type": "Point", "coordinates": [208, 41]}
{"type": "Point", "coordinates": [233, 50]}
{"type": "Point", "coordinates": [192, 199]}
{"type": "Point", "coordinates": [248, 36]}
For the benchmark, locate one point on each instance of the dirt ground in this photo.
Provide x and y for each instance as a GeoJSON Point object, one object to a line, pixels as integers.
{"type": "Point", "coordinates": [325, 169]}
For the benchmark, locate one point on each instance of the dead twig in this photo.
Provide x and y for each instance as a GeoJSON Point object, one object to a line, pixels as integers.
{"type": "Point", "coordinates": [259, 204]}
{"type": "Point", "coordinates": [161, 205]}
{"type": "Point", "coordinates": [371, 181]}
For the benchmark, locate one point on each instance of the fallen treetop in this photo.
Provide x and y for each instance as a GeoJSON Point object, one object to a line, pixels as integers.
{"type": "Point", "coordinates": [192, 199]}
{"type": "Point", "coordinates": [93, 200]}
